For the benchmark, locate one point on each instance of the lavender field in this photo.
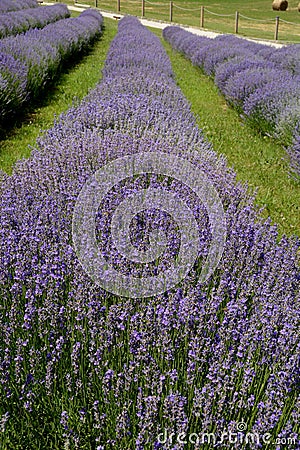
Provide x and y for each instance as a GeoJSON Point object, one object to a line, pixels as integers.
{"type": "Point", "coordinates": [16, 5]}
{"type": "Point", "coordinates": [261, 82]}
{"type": "Point", "coordinates": [31, 60]}
{"type": "Point", "coordinates": [207, 363]}
{"type": "Point", "coordinates": [16, 22]}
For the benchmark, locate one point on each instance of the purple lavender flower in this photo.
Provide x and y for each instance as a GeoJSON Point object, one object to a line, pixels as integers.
{"type": "Point", "coordinates": [13, 80]}
{"type": "Point", "coordinates": [294, 150]}
{"type": "Point", "coordinates": [261, 82]}
{"type": "Point", "coordinates": [16, 5]}
{"type": "Point", "coordinates": [32, 59]}
{"type": "Point", "coordinates": [16, 22]}
{"type": "Point", "coordinates": [118, 372]}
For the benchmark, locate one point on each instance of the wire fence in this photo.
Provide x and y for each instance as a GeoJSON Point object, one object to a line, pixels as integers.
{"type": "Point", "coordinates": [277, 27]}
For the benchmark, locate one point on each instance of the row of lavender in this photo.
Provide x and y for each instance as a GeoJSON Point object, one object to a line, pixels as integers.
{"type": "Point", "coordinates": [16, 5]}
{"type": "Point", "coordinates": [30, 60]}
{"type": "Point", "coordinates": [261, 82]}
{"type": "Point", "coordinates": [81, 368]}
{"type": "Point", "coordinates": [16, 22]}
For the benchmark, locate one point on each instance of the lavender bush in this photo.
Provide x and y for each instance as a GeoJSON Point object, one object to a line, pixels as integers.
{"type": "Point", "coordinates": [262, 82]}
{"type": "Point", "coordinates": [32, 59]}
{"type": "Point", "coordinates": [294, 151]}
{"type": "Point", "coordinates": [81, 368]}
{"type": "Point", "coordinates": [287, 57]}
{"type": "Point", "coordinates": [16, 5]}
{"type": "Point", "coordinates": [16, 22]}
{"type": "Point", "coordinates": [13, 75]}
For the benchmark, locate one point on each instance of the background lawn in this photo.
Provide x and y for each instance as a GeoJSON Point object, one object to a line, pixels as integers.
{"type": "Point", "coordinates": [218, 16]}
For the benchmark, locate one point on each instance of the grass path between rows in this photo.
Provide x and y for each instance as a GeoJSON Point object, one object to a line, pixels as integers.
{"type": "Point", "coordinates": [256, 159]}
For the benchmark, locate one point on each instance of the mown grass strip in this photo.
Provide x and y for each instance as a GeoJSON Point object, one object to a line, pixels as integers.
{"type": "Point", "coordinates": [71, 87]}
{"type": "Point", "coordinates": [257, 159]}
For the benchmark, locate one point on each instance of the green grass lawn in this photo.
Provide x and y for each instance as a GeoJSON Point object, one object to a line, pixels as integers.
{"type": "Point", "coordinates": [187, 12]}
{"type": "Point", "coordinates": [257, 160]}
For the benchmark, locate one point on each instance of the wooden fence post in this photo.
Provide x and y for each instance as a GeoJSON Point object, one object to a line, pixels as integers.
{"type": "Point", "coordinates": [171, 11]}
{"type": "Point", "coordinates": [236, 26]}
{"type": "Point", "coordinates": [276, 28]}
{"type": "Point", "coordinates": [143, 8]}
{"type": "Point", "coordinates": [202, 16]}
